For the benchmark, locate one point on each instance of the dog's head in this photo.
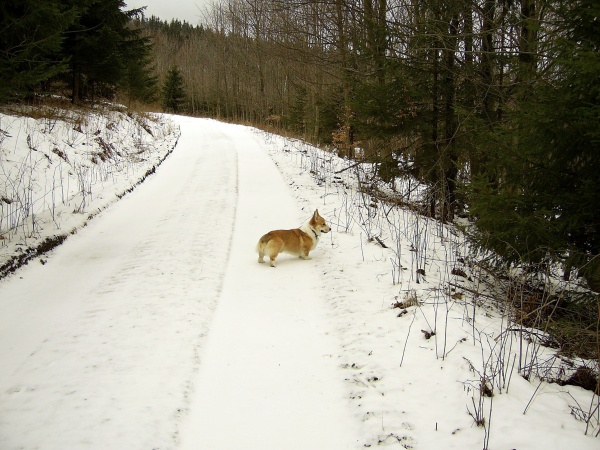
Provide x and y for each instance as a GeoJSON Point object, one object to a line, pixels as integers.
{"type": "Point", "coordinates": [318, 223]}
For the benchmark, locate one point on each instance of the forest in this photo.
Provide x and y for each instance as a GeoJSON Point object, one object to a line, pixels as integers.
{"type": "Point", "coordinates": [494, 104]}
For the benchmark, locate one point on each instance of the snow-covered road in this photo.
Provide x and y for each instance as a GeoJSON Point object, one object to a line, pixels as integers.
{"type": "Point", "coordinates": [114, 341]}
{"type": "Point", "coordinates": [267, 380]}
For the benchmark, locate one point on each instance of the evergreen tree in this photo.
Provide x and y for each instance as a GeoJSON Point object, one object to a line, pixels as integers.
{"type": "Point", "coordinates": [99, 46]}
{"type": "Point", "coordinates": [545, 205]}
{"type": "Point", "coordinates": [173, 93]}
{"type": "Point", "coordinates": [139, 82]}
{"type": "Point", "coordinates": [31, 35]}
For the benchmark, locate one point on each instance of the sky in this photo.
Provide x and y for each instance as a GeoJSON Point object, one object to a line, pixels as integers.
{"type": "Point", "coordinates": [188, 10]}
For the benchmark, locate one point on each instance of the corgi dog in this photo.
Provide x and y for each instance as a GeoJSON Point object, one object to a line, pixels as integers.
{"type": "Point", "coordinates": [298, 242]}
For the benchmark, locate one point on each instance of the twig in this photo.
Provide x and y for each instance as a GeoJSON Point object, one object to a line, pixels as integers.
{"type": "Point", "coordinates": [407, 336]}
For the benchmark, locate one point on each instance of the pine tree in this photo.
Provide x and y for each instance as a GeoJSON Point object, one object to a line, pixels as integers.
{"type": "Point", "coordinates": [173, 93]}
{"type": "Point", "coordinates": [565, 136]}
{"type": "Point", "coordinates": [31, 34]}
{"type": "Point", "coordinates": [99, 47]}
{"type": "Point", "coordinates": [545, 205]}
{"type": "Point", "coordinates": [140, 81]}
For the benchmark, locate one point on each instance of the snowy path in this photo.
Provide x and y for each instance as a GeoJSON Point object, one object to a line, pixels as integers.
{"type": "Point", "coordinates": [103, 346]}
{"type": "Point", "coordinates": [267, 381]}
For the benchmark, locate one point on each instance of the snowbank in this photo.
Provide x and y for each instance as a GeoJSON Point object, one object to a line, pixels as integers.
{"type": "Point", "coordinates": [58, 171]}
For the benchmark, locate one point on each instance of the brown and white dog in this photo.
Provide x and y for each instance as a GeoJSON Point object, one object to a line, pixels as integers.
{"type": "Point", "coordinates": [297, 242]}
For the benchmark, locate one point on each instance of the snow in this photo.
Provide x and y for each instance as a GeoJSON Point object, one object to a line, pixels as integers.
{"type": "Point", "coordinates": [268, 379]}
{"type": "Point", "coordinates": [154, 326]}
{"type": "Point", "coordinates": [59, 171]}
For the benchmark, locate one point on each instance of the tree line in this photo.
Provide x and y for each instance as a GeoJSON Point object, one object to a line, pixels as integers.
{"type": "Point", "coordinates": [494, 103]}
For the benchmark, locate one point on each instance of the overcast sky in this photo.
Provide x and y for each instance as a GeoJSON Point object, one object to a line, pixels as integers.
{"type": "Point", "coordinates": [188, 10]}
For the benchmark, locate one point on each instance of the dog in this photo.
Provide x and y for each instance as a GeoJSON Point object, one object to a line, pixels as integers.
{"type": "Point", "coordinates": [297, 242]}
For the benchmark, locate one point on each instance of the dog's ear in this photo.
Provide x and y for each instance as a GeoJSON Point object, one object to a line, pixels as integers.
{"type": "Point", "coordinates": [316, 214]}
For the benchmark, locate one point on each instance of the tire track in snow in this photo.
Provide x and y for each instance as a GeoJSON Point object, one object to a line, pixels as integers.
{"type": "Point", "coordinates": [267, 379]}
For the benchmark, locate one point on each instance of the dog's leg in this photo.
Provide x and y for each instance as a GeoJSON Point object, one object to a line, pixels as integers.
{"type": "Point", "coordinates": [304, 255]}
{"type": "Point", "coordinates": [273, 248]}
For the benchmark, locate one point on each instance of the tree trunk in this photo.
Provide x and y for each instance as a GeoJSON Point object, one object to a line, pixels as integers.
{"type": "Point", "coordinates": [449, 152]}
{"type": "Point", "coordinates": [342, 41]}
